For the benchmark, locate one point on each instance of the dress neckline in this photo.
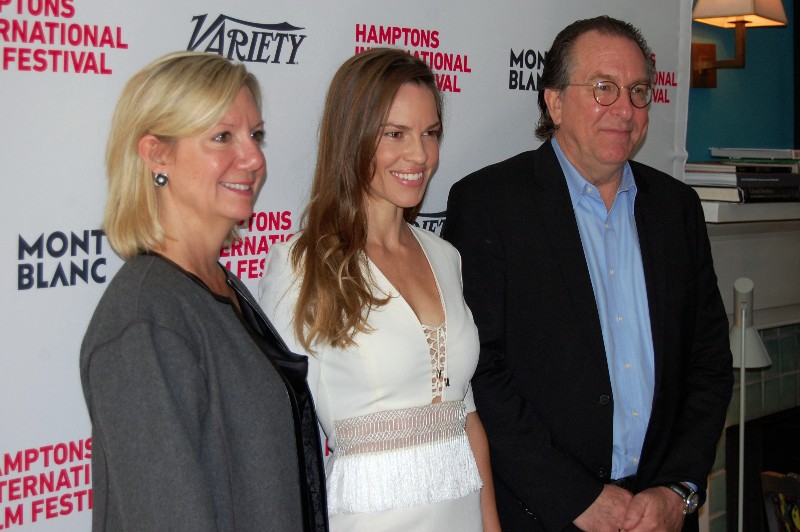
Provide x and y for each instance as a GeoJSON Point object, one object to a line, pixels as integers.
{"type": "Point", "coordinates": [394, 292]}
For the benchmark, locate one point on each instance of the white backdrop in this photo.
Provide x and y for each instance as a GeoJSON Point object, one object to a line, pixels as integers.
{"type": "Point", "coordinates": [64, 64]}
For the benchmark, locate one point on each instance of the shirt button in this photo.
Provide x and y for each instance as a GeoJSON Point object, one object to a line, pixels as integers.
{"type": "Point", "coordinates": [635, 413]}
{"type": "Point", "coordinates": [612, 271]}
{"type": "Point", "coordinates": [605, 399]}
{"type": "Point", "coordinates": [618, 318]}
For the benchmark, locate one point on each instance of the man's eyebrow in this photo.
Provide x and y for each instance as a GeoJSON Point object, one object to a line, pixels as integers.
{"type": "Point", "coordinates": [599, 76]}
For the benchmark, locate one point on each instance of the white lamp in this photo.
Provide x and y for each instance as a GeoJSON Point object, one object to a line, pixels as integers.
{"type": "Point", "coordinates": [754, 13]}
{"type": "Point", "coordinates": [748, 352]}
{"type": "Point", "coordinates": [726, 14]}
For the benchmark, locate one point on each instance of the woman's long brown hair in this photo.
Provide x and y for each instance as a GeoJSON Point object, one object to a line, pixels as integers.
{"type": "Point", "coordinates": [335, 294]}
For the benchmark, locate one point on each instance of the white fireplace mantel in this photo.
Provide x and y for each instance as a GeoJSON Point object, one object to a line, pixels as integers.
{"type": "Point", "coordinates": [768, 252]}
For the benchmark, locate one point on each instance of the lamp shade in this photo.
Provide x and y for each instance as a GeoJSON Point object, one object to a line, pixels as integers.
{"type": "Point", "coordinates": [755, 354]}
{"type": "Point", "coordinates": [724, 13]}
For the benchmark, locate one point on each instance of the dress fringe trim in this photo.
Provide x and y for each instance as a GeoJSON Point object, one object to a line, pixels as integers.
{"type": "Point", "coordinates": [402, 458]}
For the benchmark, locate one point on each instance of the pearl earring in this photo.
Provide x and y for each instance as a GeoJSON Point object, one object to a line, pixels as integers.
{"type": "Point", "coordinates": [160, 180]}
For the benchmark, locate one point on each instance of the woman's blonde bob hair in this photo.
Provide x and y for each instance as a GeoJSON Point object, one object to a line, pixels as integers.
{"type": "Point", "coordinates": [176, 96]}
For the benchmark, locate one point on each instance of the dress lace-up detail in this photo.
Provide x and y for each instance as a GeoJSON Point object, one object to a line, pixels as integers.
{"type": "Point", "coordinates": [437, 340]}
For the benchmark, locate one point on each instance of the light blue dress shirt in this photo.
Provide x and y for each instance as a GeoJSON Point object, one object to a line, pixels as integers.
{"type": "Point", "coordinates": [611, 246]}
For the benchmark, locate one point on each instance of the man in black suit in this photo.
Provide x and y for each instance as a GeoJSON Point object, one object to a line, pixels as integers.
{"type": "Point", "coordinates": [605, 371]}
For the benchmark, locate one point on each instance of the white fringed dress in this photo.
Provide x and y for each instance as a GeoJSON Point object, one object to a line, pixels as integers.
{"type": "Point", "coordinates": [399, 461]}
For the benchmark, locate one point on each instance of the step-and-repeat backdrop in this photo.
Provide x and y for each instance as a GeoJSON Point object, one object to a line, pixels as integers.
{"type": "Point", "coordinates": [64, 63]}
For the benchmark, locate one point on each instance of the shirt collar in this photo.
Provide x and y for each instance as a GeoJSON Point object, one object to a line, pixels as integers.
{"type": "Point", "coordinates": [576, 182]}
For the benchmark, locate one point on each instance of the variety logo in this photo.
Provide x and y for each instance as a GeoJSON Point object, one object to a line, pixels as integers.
{"type": "Point", "coordinates": [248, 42]}
{"type": "Point", "coordinates": [432, 221]}
{"type": "Point", "coordinates": [61, 259]}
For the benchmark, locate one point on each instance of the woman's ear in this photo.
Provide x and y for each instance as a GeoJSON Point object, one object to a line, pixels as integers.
{"type": "Point", "coordinates": [152, 151]}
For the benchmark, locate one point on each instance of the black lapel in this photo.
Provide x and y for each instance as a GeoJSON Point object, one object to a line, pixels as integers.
{"type": "Point", "coordinates": [654, 261]}
{"type": "Point", "coordinates": [552, 201]}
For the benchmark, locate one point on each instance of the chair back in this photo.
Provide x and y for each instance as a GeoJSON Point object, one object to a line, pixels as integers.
{"type": "Point", "coordinates": [781, 501]}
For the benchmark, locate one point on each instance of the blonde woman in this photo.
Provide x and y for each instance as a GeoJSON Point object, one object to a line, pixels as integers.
{"type": "Point", "coordinates": [378, 305]}
{"type": "Point", "coordinates": [201, 417]}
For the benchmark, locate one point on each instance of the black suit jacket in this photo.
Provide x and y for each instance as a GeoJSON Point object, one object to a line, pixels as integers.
{"type": "Point", "coordinates": [542, 386]}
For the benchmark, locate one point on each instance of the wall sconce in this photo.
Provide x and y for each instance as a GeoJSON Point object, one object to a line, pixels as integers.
{"type": "Point", "coordinates": [726, 14]}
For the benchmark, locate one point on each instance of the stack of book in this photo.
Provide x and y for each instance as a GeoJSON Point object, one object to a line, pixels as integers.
{"type": "Point", "coordinates": [743, 175]}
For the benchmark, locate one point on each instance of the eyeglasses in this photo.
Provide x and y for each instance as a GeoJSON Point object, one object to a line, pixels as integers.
{"type": "Point", "coordinates": [607, 92]}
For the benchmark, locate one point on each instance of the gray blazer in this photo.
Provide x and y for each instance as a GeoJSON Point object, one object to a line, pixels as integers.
{"type": "Point", "coordinates": [193, 427]}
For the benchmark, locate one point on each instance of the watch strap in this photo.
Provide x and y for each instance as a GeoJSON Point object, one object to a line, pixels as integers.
{"type": "Point", "coordinates": [686, 492]}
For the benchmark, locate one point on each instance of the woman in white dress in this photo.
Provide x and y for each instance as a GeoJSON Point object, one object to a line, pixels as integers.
{"type": "Point", "coordinates": [378, 305]}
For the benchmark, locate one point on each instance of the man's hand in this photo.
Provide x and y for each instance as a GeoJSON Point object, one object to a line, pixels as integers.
{"type": "Point", "coordinates": [607, 512]}
{"type": "Point", "coordinates": [656, 508]}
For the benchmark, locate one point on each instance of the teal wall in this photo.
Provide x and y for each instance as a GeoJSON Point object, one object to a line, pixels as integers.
{"type": "Point", "coordinates": [751, 107]}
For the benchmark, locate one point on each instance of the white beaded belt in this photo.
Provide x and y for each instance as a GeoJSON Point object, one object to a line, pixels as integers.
{"type": "Point", "coordinates": [402, 458]}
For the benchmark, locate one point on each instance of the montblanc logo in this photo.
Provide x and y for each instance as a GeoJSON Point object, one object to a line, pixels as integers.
{"type": "Point", "coordinates": [61, 258]}
{"type": "Point", "coordinates": [525, 69]}
{"type": "Point", "coordinates": [248, 42]}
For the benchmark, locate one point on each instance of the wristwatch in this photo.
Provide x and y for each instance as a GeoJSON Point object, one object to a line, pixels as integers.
{"type": "Point", "coordinates": [691, 500]}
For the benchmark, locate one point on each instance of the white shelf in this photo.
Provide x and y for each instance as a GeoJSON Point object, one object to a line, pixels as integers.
{"type": "Point", "coordinates": [775, 317]}
{"type": "Point", "coordinates": [722, 212]}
